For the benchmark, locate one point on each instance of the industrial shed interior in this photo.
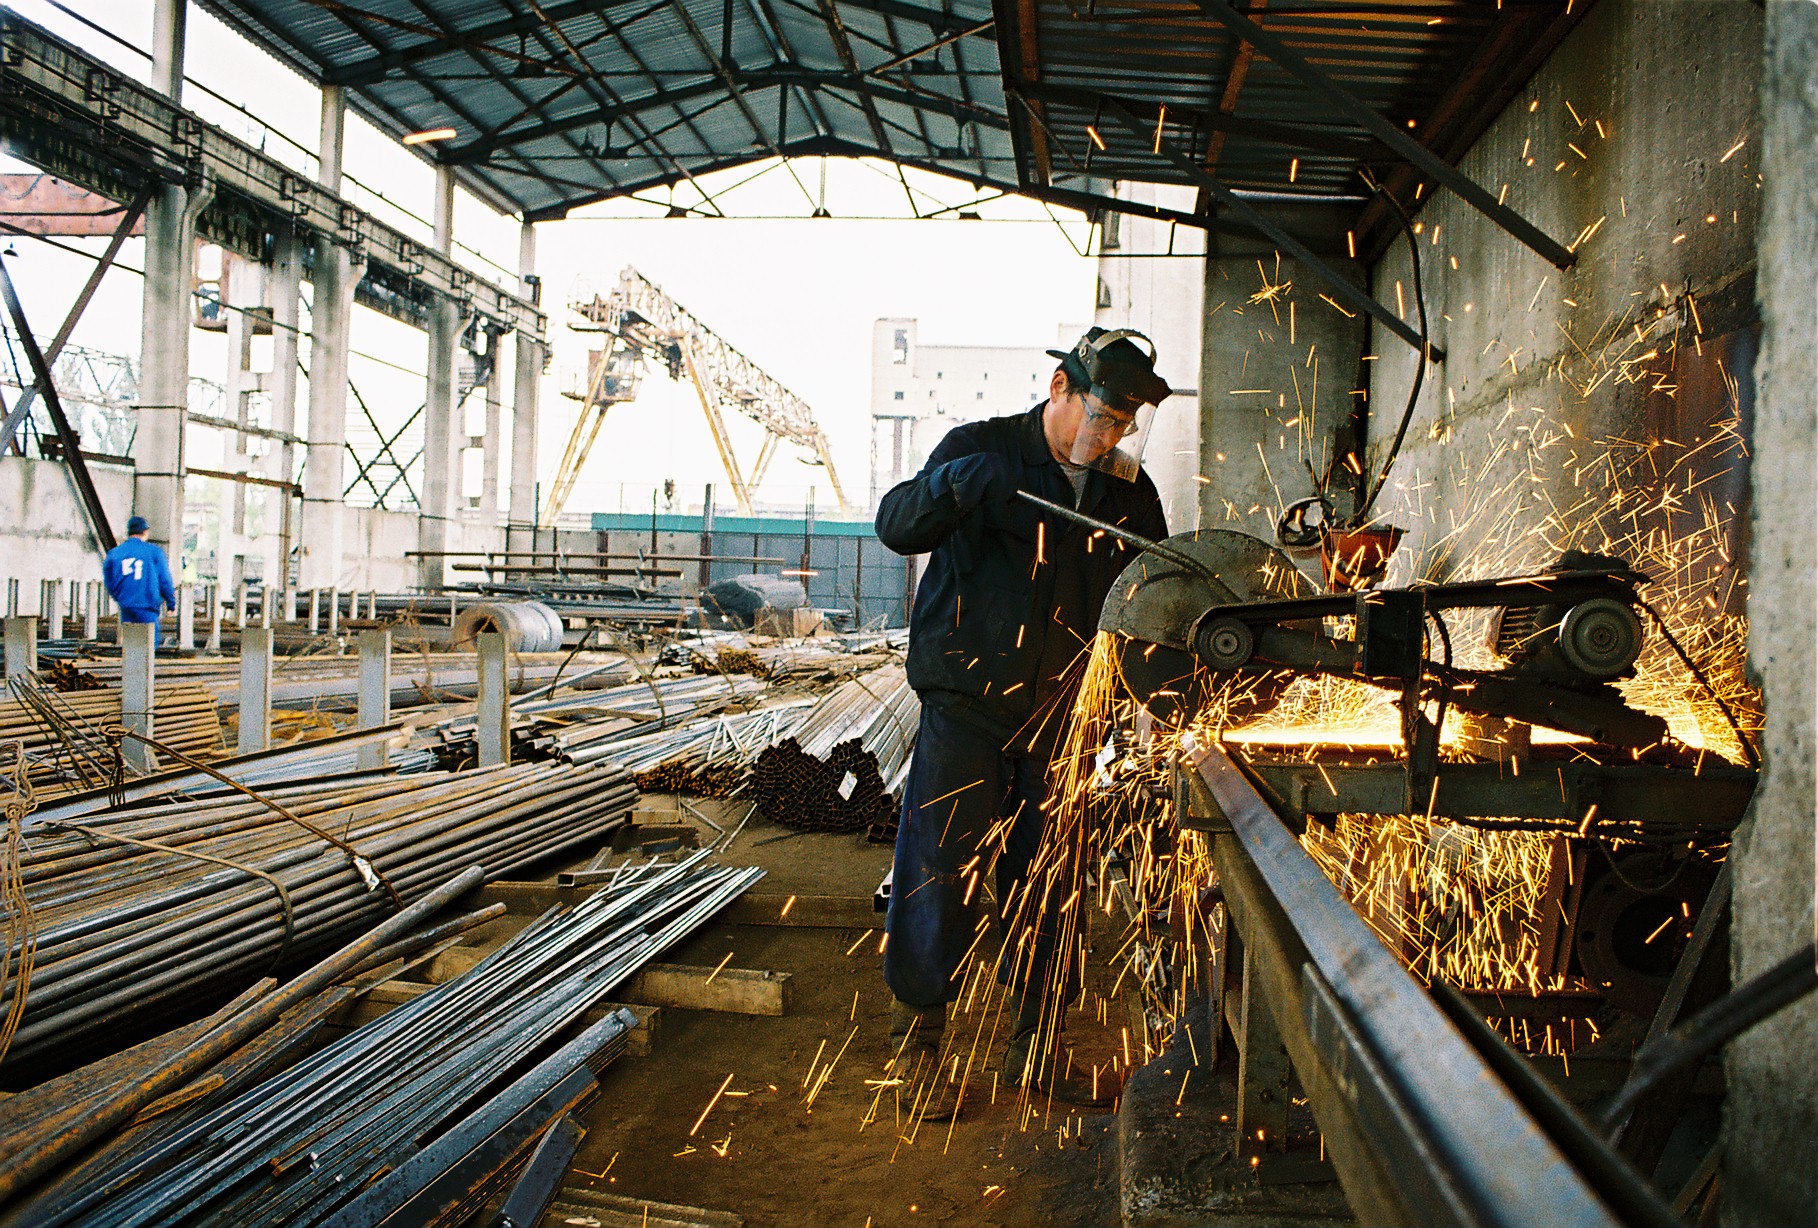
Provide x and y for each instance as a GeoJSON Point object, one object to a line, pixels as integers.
{"type": "Point", "coordinates": [1436, 804]}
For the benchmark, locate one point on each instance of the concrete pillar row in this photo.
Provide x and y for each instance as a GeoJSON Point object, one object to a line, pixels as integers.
{"type": "Point", "coordinates": [170, 241]}
{"type": "Point", "coordinates": [441, 477]}
{"type": "Point", "coordinates": [283, 290]}
{"type": "Point", "coordinates": [337, 274]}
{"type": "Point", "coordinates": [526, 387]}
{"type": "Point", "coordinates": [489, 441]}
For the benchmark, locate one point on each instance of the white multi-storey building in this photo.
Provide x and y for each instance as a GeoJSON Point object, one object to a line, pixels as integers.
{"type": "Point", "coordinates": [920, 392]}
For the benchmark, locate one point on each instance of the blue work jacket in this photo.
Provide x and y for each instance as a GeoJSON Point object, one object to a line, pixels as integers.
{"type": "Point", "coordinates": [138, 577]}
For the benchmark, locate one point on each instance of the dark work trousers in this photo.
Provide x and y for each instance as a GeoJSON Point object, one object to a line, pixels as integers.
{"type": "Point", "coordinates": [960, 785]}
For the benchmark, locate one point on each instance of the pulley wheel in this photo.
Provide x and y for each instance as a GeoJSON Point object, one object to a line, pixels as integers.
{"type": "Point", "coordinates": [1225, 643]}
{"type": "Point", "coordinates": [1600, 638]}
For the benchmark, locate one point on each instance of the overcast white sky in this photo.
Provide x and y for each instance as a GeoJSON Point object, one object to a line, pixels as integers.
{"type": "Point", "coordinates": [796, 295]}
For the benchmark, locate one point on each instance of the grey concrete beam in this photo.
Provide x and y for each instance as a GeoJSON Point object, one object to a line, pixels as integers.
{"type": "Point", "coordinates": [138, 645]}
{"type": "Point", "coordinates": [255, 688]}
{"type": "Point", "coordinates": [21, 646]}
{"type": "Point", "coordinates": [530, 353]}
{"type": "Point", "coordinates": [493, 723]}
{"type": "Point", "coordinates": [375, 693]}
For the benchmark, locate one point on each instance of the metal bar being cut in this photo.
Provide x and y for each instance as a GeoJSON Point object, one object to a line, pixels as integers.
{"type": "Point", "coordinates": [1418, 1126]}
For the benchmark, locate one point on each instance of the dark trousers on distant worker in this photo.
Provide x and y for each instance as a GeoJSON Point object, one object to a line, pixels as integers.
{"type": "Point", "coordinates": [962, 788]}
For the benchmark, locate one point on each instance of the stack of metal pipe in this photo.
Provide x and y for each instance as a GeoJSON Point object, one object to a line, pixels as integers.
{"type": "Point", "coordinates": [331, 684]}
{"type": "Point", "coordinates": [846, 759]}
{"type": "Point", "coordinates": [139, 913]}
{"type": "Point", "coordinates": [422, 1116]}
{"type": "Point", "coordinates": [710, 757]}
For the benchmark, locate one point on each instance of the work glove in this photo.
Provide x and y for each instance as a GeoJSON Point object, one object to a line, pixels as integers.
{"type": "Point", "coordinates": [976, 479]}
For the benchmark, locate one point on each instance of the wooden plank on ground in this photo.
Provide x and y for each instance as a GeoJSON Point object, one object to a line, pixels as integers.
{"type": "Point", "coordinates": [736, 991]}
{"type": "Point", "coordinates": [814, 911]}
{"type": "Point", "coordinates": [591, 1207]}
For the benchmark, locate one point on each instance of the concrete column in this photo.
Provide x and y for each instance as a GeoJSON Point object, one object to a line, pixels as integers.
{"type": "Point", "coordinates": [214, 616]}
{"type": "Point", "coordinates": [334, 611]}
{"type": "Point", "coordinates": [1770, 1140]}
{"type": "Point", "coordinates": [186, 617]}
{"type": "Point", "coordinates": [489, 442]}
{"type": "Point", "coordinates": [91, 610]}
{"type": "Point", "coordinates": [170, 21]}
{"type": "Point", "coordinates": [337, 273]}
{"type": "Point", "coordinates": [375, 693]}
{"type": "Point", "coordinates": [255, 689]}
{"type": "Point", "coordinates": [494, 720]}
{"type": "Point", "coordinates": [164, 367]}
{"type": "Point", "coordinates": [1257, 389]}
{"type": "Point", "coordinates": [21, 646]}
{"type": "Point", "coordinates": [283, 289]}
{"type": "Point", "coordinates": [12, 597]}
{"type": "Point", "coordinates": [526, 387]}
{"type": "Point", "coordinates": [440, 452]}
{"type": "Point", "coordinates": [50, 608]}
{"type": "Point", "coordinates": [138, 644]}
{"type": "Point", "coordinates": [315, 610]}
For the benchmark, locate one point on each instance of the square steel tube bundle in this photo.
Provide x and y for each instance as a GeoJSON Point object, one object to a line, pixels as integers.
{"type": "Point", "coordinates": [1417, 1124]}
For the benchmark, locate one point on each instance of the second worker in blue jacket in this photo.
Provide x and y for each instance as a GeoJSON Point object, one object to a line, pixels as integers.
{"type": "Point", "coordinates": [1009, 600]}
{"type": "Point", "coordinates": [138, 575]}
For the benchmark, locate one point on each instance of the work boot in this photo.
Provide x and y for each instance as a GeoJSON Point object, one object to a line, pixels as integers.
{"type": "Point", "coordinates": [1053, 1073]}
{"type": "Point", "coordinates": [916, 1033]}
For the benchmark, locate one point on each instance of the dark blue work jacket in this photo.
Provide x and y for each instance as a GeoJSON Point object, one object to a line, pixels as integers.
{"type": "Point", "coordinates": [1011, 595]}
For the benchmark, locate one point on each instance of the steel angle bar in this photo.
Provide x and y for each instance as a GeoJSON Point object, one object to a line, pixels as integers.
{"type": "Point", "coordinates": [1340, 286]}
{"type": "Point", "coordinates": [1417, 1124]}
{"type": "Point", "coordinates": [536, 1187]}
{"type": "Point", "coordinates": [1293, 63]}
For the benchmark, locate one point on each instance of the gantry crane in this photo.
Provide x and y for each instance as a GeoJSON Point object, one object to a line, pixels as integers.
{"type": "Point", "coordinates": [639, 323]}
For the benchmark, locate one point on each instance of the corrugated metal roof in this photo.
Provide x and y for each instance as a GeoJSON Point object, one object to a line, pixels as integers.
{"type": "Point", "coordinates": [556, 103]}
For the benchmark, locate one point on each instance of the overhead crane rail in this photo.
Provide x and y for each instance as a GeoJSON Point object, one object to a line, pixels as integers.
{"type": "Point", "coordinates": [641, 323]}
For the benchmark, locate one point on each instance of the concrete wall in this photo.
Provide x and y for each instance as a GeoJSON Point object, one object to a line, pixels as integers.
{"type": "Point", "coordinates": [1143, 287]}
{"type": "Point", "coordinates": [1771, 1151]}
{"type": "Point", "coordinates": [1626, 141]}
{"type": "Point", "coordinates": [1278, 385]}
{"type": "Point", "coordinates": [375, 545]}
{"type": "Point", "coordinates": [44, 531]}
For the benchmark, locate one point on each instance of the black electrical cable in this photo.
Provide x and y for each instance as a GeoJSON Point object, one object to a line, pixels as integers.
{"type": "Point", "coordinates": [1714, 1026]}
{"type": "Point", "coordinates": [1420, 368]}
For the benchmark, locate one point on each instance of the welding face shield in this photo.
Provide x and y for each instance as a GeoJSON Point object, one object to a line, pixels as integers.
{"type": "Point", "coordinates": [1105, 425]}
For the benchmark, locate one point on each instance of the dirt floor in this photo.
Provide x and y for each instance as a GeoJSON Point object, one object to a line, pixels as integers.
{"type": "Point", "coordinates": [764, 1152]}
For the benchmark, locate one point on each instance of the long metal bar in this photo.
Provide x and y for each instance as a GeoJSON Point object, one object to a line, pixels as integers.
{"type": "Point", "coordinates": [1292, 62]}
{"type": "Point", "coordinates": [1417, 1125]}
{"type": "Point", "coordinates": [127, 221]}
{"type": "Point", "coordinates": [72, 443]}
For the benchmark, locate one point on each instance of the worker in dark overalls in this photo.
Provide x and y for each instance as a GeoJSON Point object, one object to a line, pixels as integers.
{"type": "Point", "coordinates": [1009, 601]}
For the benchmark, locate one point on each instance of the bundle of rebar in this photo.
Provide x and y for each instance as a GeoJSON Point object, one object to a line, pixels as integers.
{"type": "Point", "coordinates": [590, 728]}
{"type": "Point", "coordinates": [138, 913]}
{"type": "Point", "coordinates": [787, 659]}
{"type": "Point", "coordinates": [424, 1115]}
{"type": "Point", "coordinates": [65, 733]}
{"type": "Point", "coordinates": [838, 771]}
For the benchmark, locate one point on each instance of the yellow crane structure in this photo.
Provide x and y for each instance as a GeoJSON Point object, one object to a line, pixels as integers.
{"type": "Point", "coordinates": [639, 323]}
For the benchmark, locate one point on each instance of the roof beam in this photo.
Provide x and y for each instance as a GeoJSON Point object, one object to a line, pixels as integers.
{"type": "Point", "coordinates": [1242, 210]}
{"type": "Point", "coordinates": [376, 67]}
{"type": "Point", "coordinates": [1348, 104]}
{"type": "Point", "coordinates": [776, 75]}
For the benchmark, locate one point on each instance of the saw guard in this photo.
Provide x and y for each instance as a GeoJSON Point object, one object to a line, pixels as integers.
{"type": "Point", "coordinates": [1153, 606]}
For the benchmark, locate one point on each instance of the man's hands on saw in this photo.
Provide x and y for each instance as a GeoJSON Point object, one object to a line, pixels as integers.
{"type": "Point", "coordinates": [987, 482]}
